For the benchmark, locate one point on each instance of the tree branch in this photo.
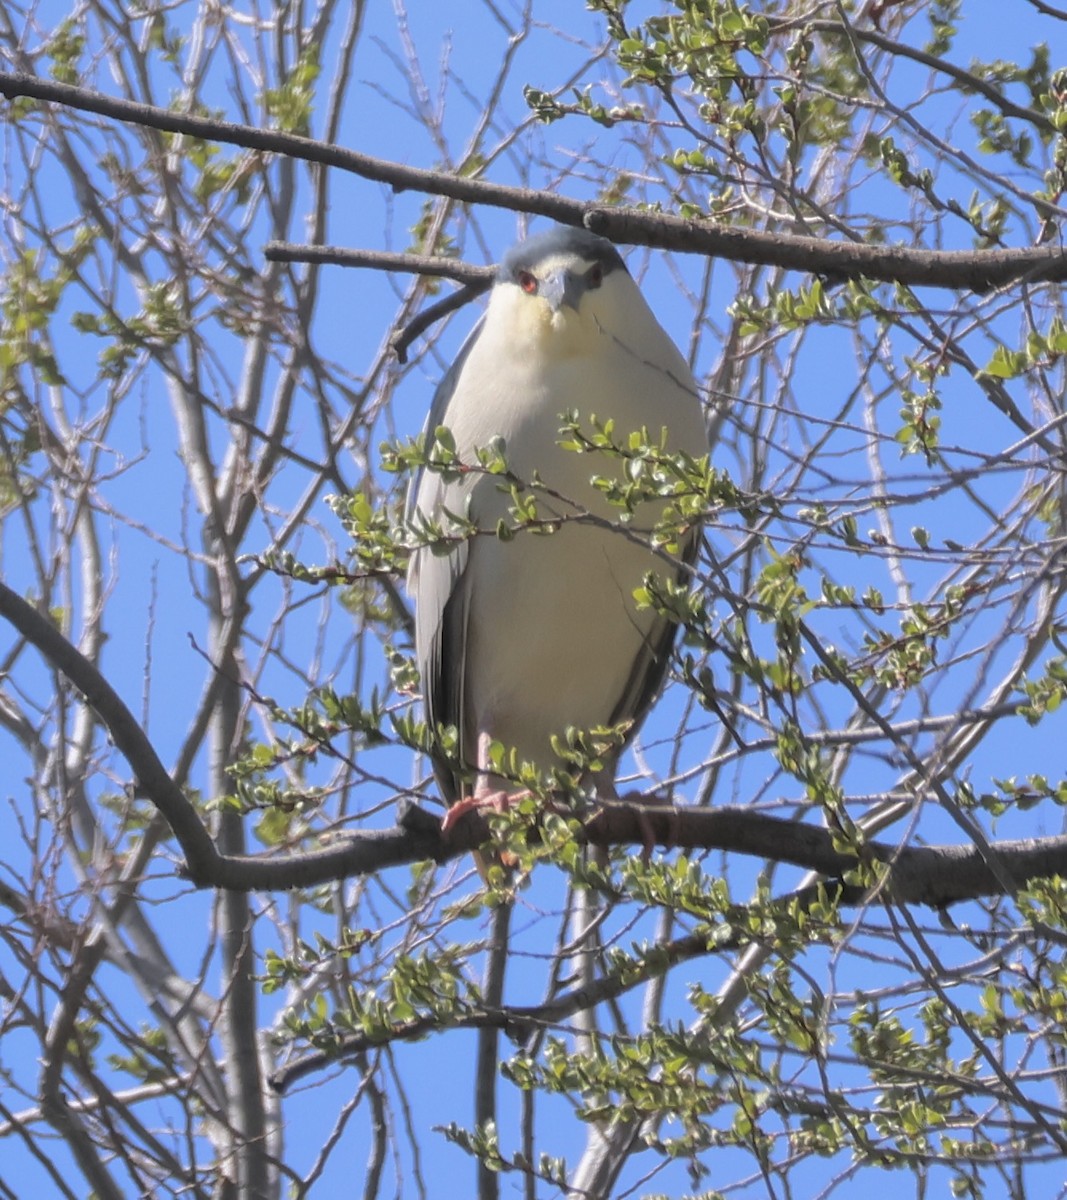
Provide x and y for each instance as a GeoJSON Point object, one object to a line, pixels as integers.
{"type": "Point", "coordinates": [518, 1022]}
{"type": "Point", "coordinates": [521, 1022]}
{"type": "Point", "coordinates": [975, 270]}
{"type": "Point", "coordinates": [932, 875]}
{"type": "Point", "coordinates": [152, 777]}
{"type": "Point", "coordinates": [967, 81]}
{"type": "Point", "coordinates": [438, 266]}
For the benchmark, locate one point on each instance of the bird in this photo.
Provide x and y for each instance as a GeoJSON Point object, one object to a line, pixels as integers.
{"type": "Point", "coordinates": [520, 638]}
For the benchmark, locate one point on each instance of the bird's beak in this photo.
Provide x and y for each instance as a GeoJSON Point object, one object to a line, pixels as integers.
{"type": "Point", "coordinates": [561, 288]}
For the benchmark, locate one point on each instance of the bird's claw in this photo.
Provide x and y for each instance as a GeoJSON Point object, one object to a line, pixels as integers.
{"type": "Point", "coordinates": [498, 801]}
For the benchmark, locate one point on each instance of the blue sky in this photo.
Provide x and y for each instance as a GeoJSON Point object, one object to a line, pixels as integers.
{"type": "Point", "coordinates": [354, 317]}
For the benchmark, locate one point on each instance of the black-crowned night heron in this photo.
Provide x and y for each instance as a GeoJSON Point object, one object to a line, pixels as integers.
{"type": "Point", "coordinates": [518, 639]}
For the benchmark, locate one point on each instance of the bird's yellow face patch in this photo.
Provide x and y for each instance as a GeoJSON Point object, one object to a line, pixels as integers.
{"type": "Point", "coordinates": [554, 305]}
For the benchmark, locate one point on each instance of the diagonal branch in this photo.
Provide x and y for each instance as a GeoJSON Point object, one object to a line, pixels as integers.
{"type": "Point", "coordinates": [931, 875]}
{"type": "Point", "coordinates": [127, 734]}
{"type": "Point", "coordinates": [975, 270]}
{"type": "Point", "coordinates": [518, 1022]}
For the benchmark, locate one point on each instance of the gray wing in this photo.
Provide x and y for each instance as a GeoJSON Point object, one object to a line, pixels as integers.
{"type": "Point", "coordinates": [438, 414]}
{"type": "Point", "coordinates": [440, 586]}
{"type": "Point", "coordinates": [650, 667]}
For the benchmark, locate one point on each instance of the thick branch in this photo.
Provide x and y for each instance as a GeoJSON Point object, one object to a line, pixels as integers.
{"type": "Point", "coordinates": [933, 875]}
{"type": "Point", "coordinates": [976, 270]}
{"type": "Point", "coordinates": [152, 777]}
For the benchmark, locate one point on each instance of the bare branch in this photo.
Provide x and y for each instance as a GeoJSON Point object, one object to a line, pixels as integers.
{"type": "Point", "coordinates": [479, 279]}
{"type": "Point", "coordinates": [974, 270]}
{"type": "Point", "coordinates": [129, 737]}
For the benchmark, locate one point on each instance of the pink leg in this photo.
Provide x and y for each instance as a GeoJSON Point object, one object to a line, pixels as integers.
{"type": "Point", "coordinates": [484, 794]}
{"type": "Point", "coordinates": [605, 788]}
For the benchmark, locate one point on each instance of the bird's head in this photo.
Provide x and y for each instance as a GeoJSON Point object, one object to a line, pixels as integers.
{"type": "Point", "coordinates": [564, 287]}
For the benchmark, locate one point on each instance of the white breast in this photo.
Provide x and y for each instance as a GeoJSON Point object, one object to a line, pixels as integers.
{"type": "Point", "coordinates": [554, 630]}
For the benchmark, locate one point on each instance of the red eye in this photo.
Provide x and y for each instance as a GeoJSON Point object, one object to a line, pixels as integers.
{"type": "Point", "coordinates": [527, 282]}
{"type": "Point", "coordinates": [596, 276]}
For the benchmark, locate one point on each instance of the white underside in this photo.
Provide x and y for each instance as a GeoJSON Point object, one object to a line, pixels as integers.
{"type": "Point", "coordinates": [554, 630]}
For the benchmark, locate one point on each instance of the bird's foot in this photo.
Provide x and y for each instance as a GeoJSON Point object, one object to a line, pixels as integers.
{"type": "Point", "coordinates": [641, 810]}
{"type": "Point", "coordinates": [647, 830]}
{"type": "Point", "coordinates": [498, 801]}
